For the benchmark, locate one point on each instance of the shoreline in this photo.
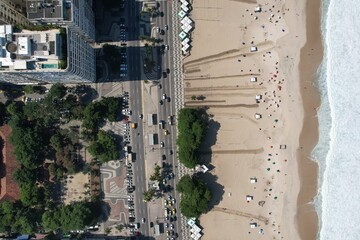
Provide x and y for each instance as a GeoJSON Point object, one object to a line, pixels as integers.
{"type": "Point", "coordinates": [312, 52]}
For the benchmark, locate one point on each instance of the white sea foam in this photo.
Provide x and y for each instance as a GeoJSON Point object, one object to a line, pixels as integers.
{"type": "Point", "coordinates": [338, 150]}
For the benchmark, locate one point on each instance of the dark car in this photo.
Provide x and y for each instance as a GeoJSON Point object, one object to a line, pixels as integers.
{"type": "Point", "coordinates": [163, 157]}
{"type": "Point", "coordinates": [161, 102]}
{"type": "Point", "coordinates": [168, 99]}
{"type": "Point", "coordinates": [164, 74]}
{"type": "Point", "coordinates": [171, 152]}
{"type": "Point", "coordinates": [162, 32]}
{"type": "Point", "coordinates": [168, 70]}
{"type": "Point", "coordinates": [151, 224]}
{"type": "Point", "coordinates": [159, 86]}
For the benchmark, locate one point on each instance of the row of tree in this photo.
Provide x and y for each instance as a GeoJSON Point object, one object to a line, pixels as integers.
{"type": "Point", "coordinates": [192, 125]}
{"type": "Point", "coordinates": [17, 218]}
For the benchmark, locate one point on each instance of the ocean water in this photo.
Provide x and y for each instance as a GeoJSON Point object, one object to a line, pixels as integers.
{"type": "Point", "coordinates": [338, 149]}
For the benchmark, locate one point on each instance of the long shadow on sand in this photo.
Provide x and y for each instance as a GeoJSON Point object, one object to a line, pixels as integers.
{"type": "Point", "coordinates": [216, 188]}
{"type": "Point", "coordinates": [206, 157]}
{"type": "Point", "coordinates": [209, 141]}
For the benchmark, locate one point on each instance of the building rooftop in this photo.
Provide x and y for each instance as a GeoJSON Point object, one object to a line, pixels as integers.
{"type": "Point", "coordinates": [47, 9]}
{"type": "Point", "coordinates": [29, 50]}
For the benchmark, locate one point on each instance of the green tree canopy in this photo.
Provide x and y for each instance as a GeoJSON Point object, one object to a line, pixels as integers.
{"type": "Point", "coordinates": [32, 89]}
{"type": "Point", "coordinates": [195, 196]}
{"type": "Point", "coordinates": [93, 113]}
{"type": "Point", "coordinates": [192, 124]}
{"type": "Point", "coordinates": [15, 218]}
{"type": "Point", "coordinates": [57, 90]}
{"type": "Point", "coordinates": [24, 176]}
{"type": "Point", "coordinates": [69, 217]}
{"type": "Point", "coordinates": [104, 148]}
{"type": "Point", "coordinates": [112, 106]}
{"type": "Point", "coordinates": [31, 195]}
{"type": "Point", "coordinates": [28, 146]}
{"type": "Point", "coordinates": [14, 108]}
{"type": "Point", "coordinates": [148, 195]}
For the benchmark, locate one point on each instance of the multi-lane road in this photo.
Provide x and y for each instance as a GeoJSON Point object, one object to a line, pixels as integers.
{"type": "Point", "coordinates": [136, 105]}
{"type": "Point", "coordinates": [168, 109]}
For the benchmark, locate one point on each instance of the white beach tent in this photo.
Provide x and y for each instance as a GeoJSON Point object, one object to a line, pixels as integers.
{"type": "Point", "coordinates": [257, 9]}
{"type": "Point", "coordinates": [185, 8]}
{"type": "Point", "coordinates": [184, 20]}
{"type": "Point", "coordinates": [253, 225]}
{"type": "Point", "coordinates": [182, 35]}
{"type": "Point", "coordinates": [182, 14]}
{"type": "Point", "coordinates": [185, 47]}
{"type": "Point", "coordinates": [253, 79]}
{"type": "Point", "coordinates": [185, 41]}
{"type": "Point", "coordinates": [188, 28]}
{"type": "Point", "coordinates": [191, 222]}
{"type": "Point", "coordinates": [257, 115]}
{"type": "Point", "coordinates": [253, 49]}
{"type": "Point", "coordinates": [253, 180]}
{"type": "Point", "coordinates": [249, 198]}
{"type": "Point", "coordinates": [184, 2]}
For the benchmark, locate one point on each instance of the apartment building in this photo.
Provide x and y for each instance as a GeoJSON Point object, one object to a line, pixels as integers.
{"type": "Point", "coordinates": [45, 56]}
{"type": "Point", "coordinates": [13, 13]}
{"type": "Point", "coordinates": [77, 15]}
{"type": "Point", "coordinates": [50, 56]}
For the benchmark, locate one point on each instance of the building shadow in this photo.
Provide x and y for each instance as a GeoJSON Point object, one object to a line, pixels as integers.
{"type": "Point", "coordinates": [121, 64]}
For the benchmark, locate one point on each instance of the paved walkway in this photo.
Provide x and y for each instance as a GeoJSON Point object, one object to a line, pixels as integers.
{"type": "Point", "coordinates": [179, 100]}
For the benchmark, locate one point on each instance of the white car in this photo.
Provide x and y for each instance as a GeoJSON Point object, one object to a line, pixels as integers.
{"type": "Point", "coordinates": [164, 96]}
{"type": "Point", "coordinates": [158, 29]}
{"type": "Point", "coordinates": [166, 47]}
{"type": "Point", "coordinates": [162, 144]}
{"type": "Point", "coordinates": [143, 220]}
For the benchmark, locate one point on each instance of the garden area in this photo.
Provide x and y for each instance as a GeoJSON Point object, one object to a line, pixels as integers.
{"type": "Point", "coordinates": [49, 137]}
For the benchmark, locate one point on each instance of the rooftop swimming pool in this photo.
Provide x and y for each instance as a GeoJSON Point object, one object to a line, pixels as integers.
{"type": "Point", "coordinates": [44, 65]}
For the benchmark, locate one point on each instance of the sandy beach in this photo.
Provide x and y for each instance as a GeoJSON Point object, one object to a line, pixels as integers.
{"type": "Point", "coordinates": [255, 72]}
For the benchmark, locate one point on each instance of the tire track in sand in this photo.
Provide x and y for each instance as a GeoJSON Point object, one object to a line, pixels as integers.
{"type": "Point", "coordinates": [242, 214]}
{"type": "Point", "coordinates": [241, 151]}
